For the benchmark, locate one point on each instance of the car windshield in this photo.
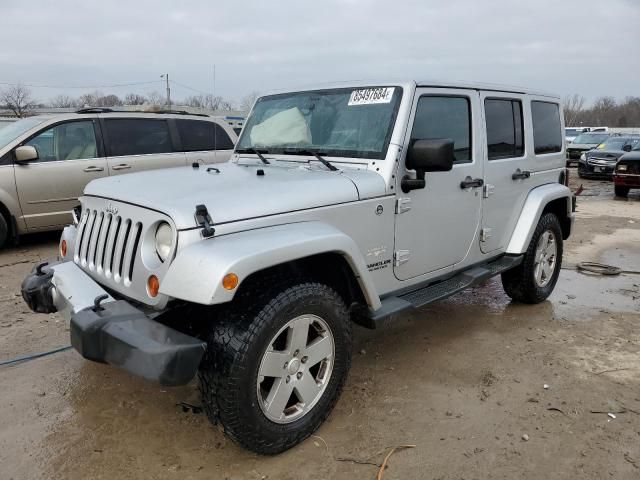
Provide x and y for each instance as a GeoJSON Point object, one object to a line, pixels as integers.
{"type": "Point", "coordinates": [616, 143]}
{"type": "Point", "coordinates": [572, 132]}
{"type": "Point", "coordinates": [594, 138]}
{"type": "Point", "coordinates": [345, 122]}
{"type": "Point", "coordinates": [15, 129]}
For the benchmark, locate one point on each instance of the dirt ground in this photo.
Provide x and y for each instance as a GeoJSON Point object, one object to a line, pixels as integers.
{"type": "Point", "coordinates": [463, 380]}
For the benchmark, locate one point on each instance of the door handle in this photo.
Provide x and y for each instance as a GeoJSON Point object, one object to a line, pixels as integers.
{"type": "Point", "coordinates": [471, 182]}
{"type": "Point", "coordinates": [122, 166]}
{"type": "Point", "coordinates": [520, 175]}
{"type": "Point", "coordinates": [94, 169]}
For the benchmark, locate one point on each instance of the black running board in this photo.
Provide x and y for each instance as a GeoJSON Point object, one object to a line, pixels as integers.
{"type": "Point", "coordinates": [437, 291]}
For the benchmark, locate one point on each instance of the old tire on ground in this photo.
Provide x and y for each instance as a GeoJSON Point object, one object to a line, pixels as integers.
{"type": "Point", "coordinates": [4, 230]}
{"type": "Point", "coordinates": [621, 191]}
{"type": "Point", "coordinates": [534, 279]}
{"type": "Point", "coordinates": [276, 362]}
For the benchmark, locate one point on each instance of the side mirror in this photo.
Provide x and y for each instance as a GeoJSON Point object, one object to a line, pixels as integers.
{"type": "Point", "coordinates": [26, 153]}
{"type": "Point", "coordinates": [427, 156]}
{"type": "Point", "coordinates": [626, 148]}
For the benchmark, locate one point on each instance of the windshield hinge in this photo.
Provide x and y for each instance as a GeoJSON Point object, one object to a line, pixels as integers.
{"type": "Point", "coordinates": [204, 219]}
{"type": "Point", "coordinates": [403, 204]}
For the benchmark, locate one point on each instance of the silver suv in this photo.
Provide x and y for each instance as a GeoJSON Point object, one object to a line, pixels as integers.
{"type": "Point", "coordinates": [342, 204]}
{"type": "Point", "coordinates": [46, 161]}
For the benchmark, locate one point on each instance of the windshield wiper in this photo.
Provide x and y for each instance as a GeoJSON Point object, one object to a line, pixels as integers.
{"type": "Point", "coordinates": [255, 152]}
{"type": "Point", "coordinates": [322, 160]}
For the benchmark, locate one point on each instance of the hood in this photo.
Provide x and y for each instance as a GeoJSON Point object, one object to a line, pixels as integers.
{"type": "Point", "coordinates": [233, 192]}
{"type": "Point", "coordinates": [582, 146]}
{"type": "Point", "coordinates": [633, 156]}
{"type": "Point", "coordinates": [608, 155]}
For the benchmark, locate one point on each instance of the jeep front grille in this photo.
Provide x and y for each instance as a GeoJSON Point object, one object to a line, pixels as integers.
{"type": "Point", "coordinates": [108, 244]}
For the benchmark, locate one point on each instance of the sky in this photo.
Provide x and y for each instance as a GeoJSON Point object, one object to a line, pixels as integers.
{"type": "Point", "coordinates": [588, 47]}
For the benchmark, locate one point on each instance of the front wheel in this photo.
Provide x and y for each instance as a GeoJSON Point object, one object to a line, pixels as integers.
{"type": "Point", "coordinates": [275, 365]}
{"type": "Point", "coordinates": [621, 191]}
{"type": "Point", "coordinates": [535, 278]}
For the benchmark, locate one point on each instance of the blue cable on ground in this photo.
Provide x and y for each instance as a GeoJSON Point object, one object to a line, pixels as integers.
{"type": "Point", "coordinates": [26, 358]}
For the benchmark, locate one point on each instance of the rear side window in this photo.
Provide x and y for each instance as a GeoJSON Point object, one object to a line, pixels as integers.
{"type": "Point", "coordinates": [199, 135]}
{"type": "Point", "coordinates": [445, 117]}
{"type": "Point", "coordinates": [504, 128]}
{"type": "Point", "coordinates": [547, 133]}
{"type": "Point", "coordinates": [138, 136]}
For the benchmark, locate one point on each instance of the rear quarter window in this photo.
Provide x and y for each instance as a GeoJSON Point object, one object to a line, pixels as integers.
{"type": "Point", "coordinates": [197, 135]}
{"type": "Point", "coordinates": [547, 131]}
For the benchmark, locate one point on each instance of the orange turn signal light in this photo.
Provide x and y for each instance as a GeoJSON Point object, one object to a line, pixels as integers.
{"type": "Point", "coordinates": [230, 281]}
{"type": "Point", "coordinates": [153, 285]}
{"type": "Point", "coordinates": [63, 248]}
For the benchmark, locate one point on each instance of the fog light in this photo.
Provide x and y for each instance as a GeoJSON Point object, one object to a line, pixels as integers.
{"type": "Point", "coordinates": [63, 248]}
{"type": "Point", "coordinates": [230, 281]}
{"type": "Point", "coordinates": [153, 285]}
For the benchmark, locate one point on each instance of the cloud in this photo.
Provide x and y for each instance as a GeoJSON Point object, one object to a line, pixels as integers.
{"type": "Point", "coordinates": [573, 46]}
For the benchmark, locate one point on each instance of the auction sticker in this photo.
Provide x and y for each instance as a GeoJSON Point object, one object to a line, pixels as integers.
{"type": "Point", "coordinates": [369, 96]}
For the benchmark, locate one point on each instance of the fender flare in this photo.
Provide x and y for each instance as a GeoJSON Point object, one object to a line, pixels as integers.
{"type": "Point", "coordinates": [197, 271]}
{"type": "Point", "coordinates": [534, 205]}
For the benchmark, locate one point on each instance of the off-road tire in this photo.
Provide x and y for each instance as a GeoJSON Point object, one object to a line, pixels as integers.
{"type": "Point", "coordinates": [4, 231]}
{"type": "Point", "coordinates": [235, 345]}
{"type": "Point", "coordinates": [621, 191]}
{"type": "Point", "coordinates": [519, 282]}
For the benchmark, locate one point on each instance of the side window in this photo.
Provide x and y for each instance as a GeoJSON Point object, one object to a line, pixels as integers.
{"type": "Point", "coordinates": [504, 128]}
{"type": "Point", "coordinates": [547, 135]}
{"type": "Point", "coordinates": [67, 141]}
{"type": "Point", "coordinates": [445, 117]}
{"type": "Point", "coordinates": [138, 136]}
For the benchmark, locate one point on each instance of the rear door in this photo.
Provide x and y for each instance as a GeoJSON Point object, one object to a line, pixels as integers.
{"type": "Point", "coordinates": [507, 164]}
{"type": "Point", "coordinates": [204, 141]}
{"type": "Point", "coordinates": [70, 156]}
{"type": "Point", "coordinates": [138, 144]}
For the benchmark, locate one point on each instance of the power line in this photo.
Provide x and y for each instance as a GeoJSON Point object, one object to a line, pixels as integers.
{"type": "Point", "coordinates": [190, 88]}
{"type": "Point", "coordinates": [81, 87]}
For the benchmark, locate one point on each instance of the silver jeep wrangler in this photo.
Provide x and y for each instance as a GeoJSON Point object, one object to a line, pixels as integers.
{"type": "Point", "coordinates": [340, 204]}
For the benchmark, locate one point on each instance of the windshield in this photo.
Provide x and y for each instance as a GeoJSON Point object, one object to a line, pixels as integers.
{"type": "Point", "coordinates": [346, 122]}
{"type": "Point", "coordinates": [594, 138]}
{"type": "Point", "coordinates": [616, 143]}
{"type": "Point", "coordinates": [15, 129]}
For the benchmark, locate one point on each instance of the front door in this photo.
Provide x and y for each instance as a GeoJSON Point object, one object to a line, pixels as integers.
{"type": "Point", "coordinates": [438, 223]}
{"type": "Point", "coordinates": [68, 158]}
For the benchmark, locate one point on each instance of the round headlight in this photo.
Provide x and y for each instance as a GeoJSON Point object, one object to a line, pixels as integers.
{"type": "Point", "coordinates": [164, 240]}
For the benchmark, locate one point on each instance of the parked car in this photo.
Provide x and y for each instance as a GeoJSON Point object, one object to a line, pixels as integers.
{"type": "Point", "coordinates": [346, 203]}
{"type": "Point", "coordinates": [46, 161]}
{"type": "Point", "coordinates": [627, 173]}
{"type": "Point", "coordinates": [583, 143]}
{"type": "Point", "coordinates": [600, 162]}
{"type": "Point", "coordinates": [570, 133]}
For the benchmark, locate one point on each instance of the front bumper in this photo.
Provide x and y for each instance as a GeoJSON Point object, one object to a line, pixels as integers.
{"type": "Point", "coordinates": [112, 331]}
{"type": "Point", "coordinates": [626, 180]}
{"type": "Point", "coordinates": [587, 169]}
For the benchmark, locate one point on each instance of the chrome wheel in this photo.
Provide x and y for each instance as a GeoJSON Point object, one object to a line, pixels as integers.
{"type": "Point", "coordinates": [295, 369]}
{"type": "Point", "coordinates": [545, 258]}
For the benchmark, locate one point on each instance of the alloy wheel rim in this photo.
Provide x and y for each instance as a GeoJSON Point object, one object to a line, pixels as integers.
{"type": "Point", "coordinates": [545, 258]}
{"type": "Point", "coordinates": [295, 369]}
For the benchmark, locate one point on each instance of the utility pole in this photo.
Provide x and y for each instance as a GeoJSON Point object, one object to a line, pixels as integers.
{"type": "Point", "coordinates": [166, 76]}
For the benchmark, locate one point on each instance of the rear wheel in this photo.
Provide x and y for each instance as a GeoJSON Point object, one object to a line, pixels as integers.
{"type": "Point", "coordinates": [275, 365]}
{"type": "Point", "coordinates": [621, 191]}
{"type": "Point", "coordinates": [535, 278]}
{"type": "Point", "coordinates": [4, 231]}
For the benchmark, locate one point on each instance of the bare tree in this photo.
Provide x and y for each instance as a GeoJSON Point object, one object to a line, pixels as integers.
{"type": "Point", "coordinates": [209, 102]}
{"type": "Point", "coordinates": [248, 100]}
{"type": "Point", "coordinates": [18, 99]}
{"type": "Point", "coordinates": [573, 106]}
{"type": "Point", "coordinates": [134, 99]}
{"type": "Point", "coordinates": [90, 99]}
{"type": "Point", "coordinates": [156, 99]}
{"type": "Point", "coordinates": [63, 101]}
